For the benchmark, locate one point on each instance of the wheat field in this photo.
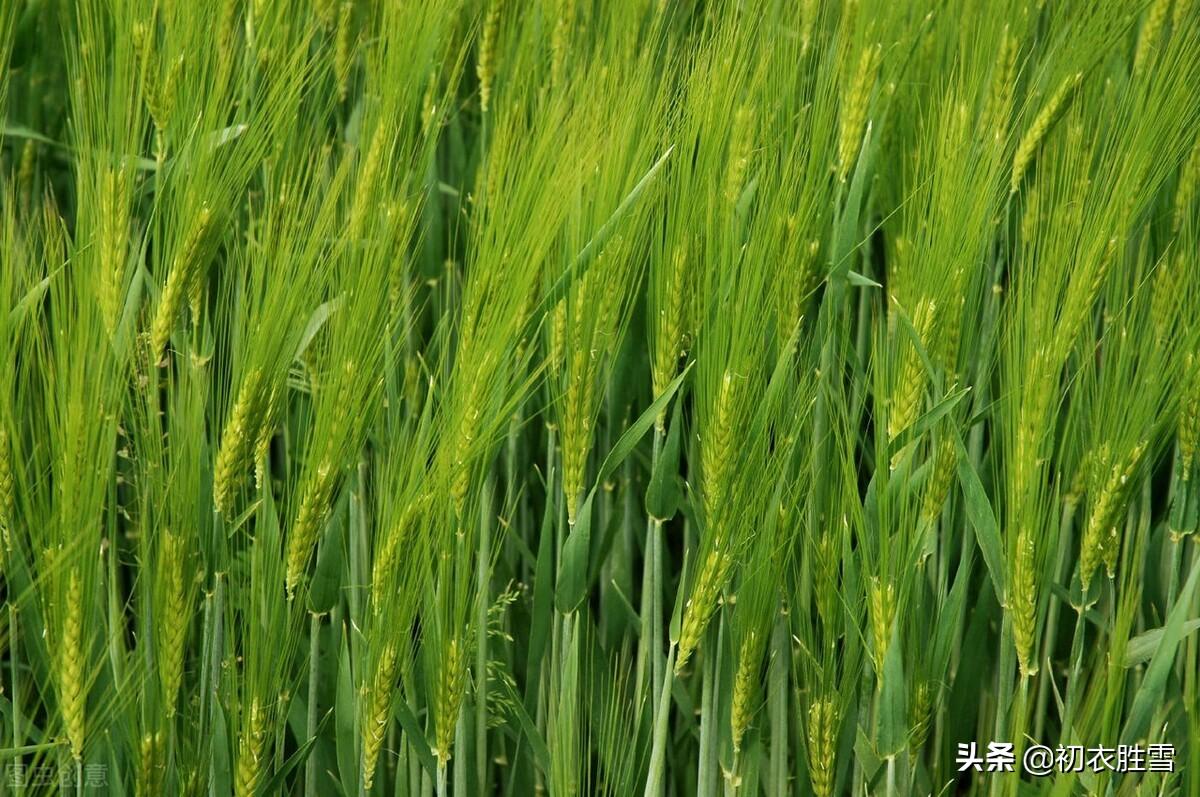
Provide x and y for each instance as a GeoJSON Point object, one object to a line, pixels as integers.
{"type": "Point", "coordinates": [600, 397]}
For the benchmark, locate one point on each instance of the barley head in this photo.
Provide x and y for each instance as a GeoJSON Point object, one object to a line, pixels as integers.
{"type": "Point", "coordinates": [1101, 537]}
{"type": "Point", "coordinates": [379, 708]}
{"type": "Point", "coordinates": [998, 108]}
{"type": "Point", "coordinates": [745, 685]}
{"type": "Point", "coordinates": [343, 48]}
{"type": "Point", "coordinates": [448, 699]}
{"type": "Point", "coordinates": [1032, 140]}
{"type": "Point", "coordinates": [1180, 15]}
{"type": "Point", "coordinates": [669, 325]}
{"type": "Point", "coordinates": [699, 609]}
{"type": "Point", "coordinates": [822, 745]}
{"type": "Point", "coordinates": [150, 765]}
{"type": "Point", "coordinates": [460, 482]}
{"type": "Point", "coordinates": [365, 192]}
{"type": "Point", "coordinates": [920, 715]}
{"type": "Point", "coordinates": [234, 450]}
{"type": "Point", "coordinates": [266, 431]}
{"type": "Point", "coordinates": [485, 67]}
{"type": "Point", "coordinates": [71, 655]}
{"type": "Point", "coordinates": [251, 751]}
{"type": "Point", "coordinates": [940, 479]}
{"type": "Point", "coordinates": [910, 383]}
{"type": "Point", "coordinates": [854, 108]}
{"type": "Point", "coordinates": [577, 428]}
{"type": "Point", "coordinates": [7, 493]}
{"type": "Point", "coordinates": [179, 279]}
{"type": "Point", "coordinates": [310, 518]}
{"type": "Point", "coordinates": [741, 147]}
{"type": "Point", "coordinates": [1150, 35]}
{"type": "Point", "coordinates": [113, 243]}
{"type": "Point", "coordinates": [1189, 416]}
{"type": "Point", "coordinates": [326, 12]}
{"type": "Point", "coordinates": [883, 612]}
{"type": "Point", "coordinates": [1188, 188]}
{"type": "Point", "coordinates": [560, 42]}
{"type": "Point", "coordinates": [716, 452]}
{"type": "Point", "coordinates": [26, 172]}
{"type": "Point", "coordinates": [173, 619]}
{"type": "Point", "coordinates": [1022, 601]}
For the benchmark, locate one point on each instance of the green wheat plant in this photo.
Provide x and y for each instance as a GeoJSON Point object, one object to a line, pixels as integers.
{"type": "Point", "coordinates": [570, 398]}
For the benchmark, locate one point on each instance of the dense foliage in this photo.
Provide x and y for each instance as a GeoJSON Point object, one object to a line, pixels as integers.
{"type": "Point", "coordinates": [583, 397]}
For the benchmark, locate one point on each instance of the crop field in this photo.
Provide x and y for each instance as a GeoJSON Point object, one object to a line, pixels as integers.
{"type": "Point", "coordinates": [733, 398]}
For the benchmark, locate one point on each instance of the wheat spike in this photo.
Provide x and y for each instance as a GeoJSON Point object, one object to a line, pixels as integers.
{"type": "Point", "coordinates": [1022, 601]}
{"type": "Point", "coordinates": [266, 431]}
{"type": "Point", "coordinates": [1187, 189]}
{"type": "Point", "coordinates": [668, 340]}
{"type": "Point", "coordinates": [741, 147]}
{"type": "Point", "coordinates": [326, 12]}
{"type": "Point", "coordinates": [1101, 536]}
{"type": "Point", "coordinates": [716, 450]}
{"type": "Point", "coordinates": [150, 765]}
{"type": "Point", "coordinates": [560, 42]}
{"type": "Point", "coordinates": [365, 194]}
{"type": "Point", "coordinates": [7, 493]}
{"type": "Point", "coordinates": [447, 700]}
{"type": "Point", "coordinates": [463, 451]}
{"type": "Point", "coordinates": [251, 751]}
{"type": "Point", "coordinates": [883, 612]}
{"type": "Point", "coordinates": [822, 745]}
{"type": "Point", "coordinates": [343, 48]}
{"type": "Point", "coordinates": [920, 716]}
{"type": "Point", "coordinates": [1189, 417]}
{"type": "Point", "coordinates": [1180, 15]}
{"type": "Point", "coordinates": [1150, 35]}
{"type": "Point", "coordinates": [174, 618]}
{"type": "Point", "coordinates": [998, 108]}
{"type": "Point", "coordinates": [485, 67]}
{"type": "Point", "coordinates": [577, 428]}
{"type": "Point", "coordinates": [854, 109]}
{"type": "Point", "coordinates": [945, 458]}
{"type": "Point", "coordinates": [235, 442]}
{"type": "Point", "coordinates": [910, 384]}
{"type": "Point", "coordinates": [71, 656]}
{"type": "Point", "coordinates": [113, 243]}
{"type": "Point", "coordinates": [1037, 131]}
{"type": "Point", "coordinates": [702, 604]}
{"type": "Point", "coordinates": [179, 279]}
{"type": "Point", "coordinates": [379, 708]}
{"type": "Point", "coordinates": [745, 683]}
{"type": "Point", "coordinates": [314, 508]}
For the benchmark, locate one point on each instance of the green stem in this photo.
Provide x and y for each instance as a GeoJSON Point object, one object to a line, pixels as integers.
{"type": "Point", "coordinates": [1052, 614]}
{"type": "Point", "coordinates": [1068, 718]}
{"type": "Point", "coordinates": [777, 709]}
{"type": "Point", "coordinates": [706, 771]}
{"type": "Point", "coordinates": [1004, 684]}
{"type": "Point", "coordinates": [17, 738]}
{"type": "Point", "coordinates": [658, 749]}
{"type": "Point", "coordinates": [1021, 718]}
{"type": "Point", "coordinates": [214, 672]}
{"type": "Point", "coordinates": [314, 651]}
{"type": "Point", "coordinates": [483, 586]}
{"type": "Point", "coordinates": [650, 662]}
{"type": "Point", "coordinates": [460, 747]}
